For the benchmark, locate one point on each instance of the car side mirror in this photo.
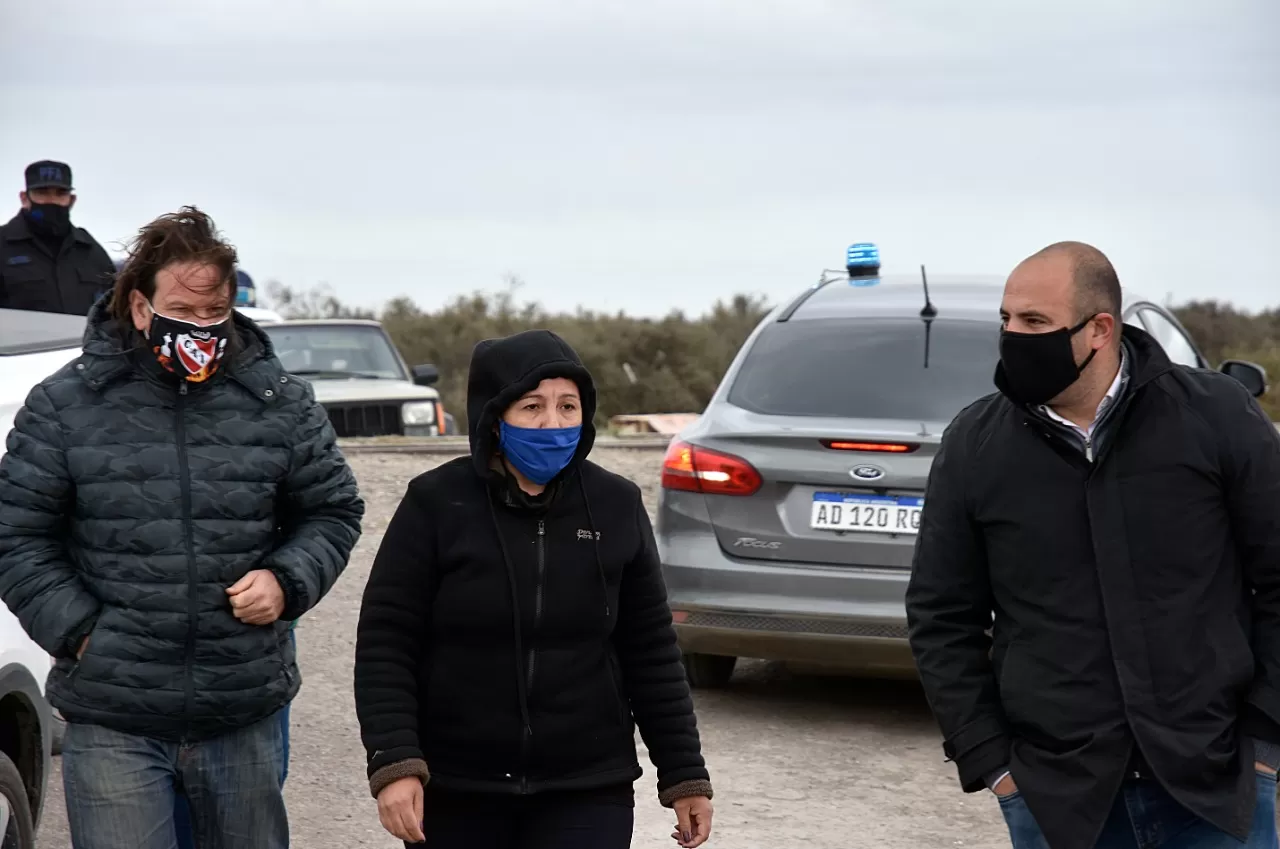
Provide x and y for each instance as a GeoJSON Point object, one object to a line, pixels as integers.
{"type": "Point", "coordinates": [426, 375]}
{"type": "Point", "coordinates": [1252, 375]}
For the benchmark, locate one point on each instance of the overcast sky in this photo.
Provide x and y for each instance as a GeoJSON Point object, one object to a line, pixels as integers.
{"type": "Point", "coordinates": [663, 154]}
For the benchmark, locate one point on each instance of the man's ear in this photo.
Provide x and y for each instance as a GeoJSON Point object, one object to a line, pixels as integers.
{"type": "Point", "coordinates": [23, 200]}
{"type": "Point", "coordinates": [139, 311]}
{"type": "Point", "coordinates": [1108, 327]}
{"type": "Point", "coordinates": [73, 202]}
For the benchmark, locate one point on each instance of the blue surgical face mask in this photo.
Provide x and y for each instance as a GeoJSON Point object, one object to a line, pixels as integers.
{"type": "Point", "coordinates": [538, 453]}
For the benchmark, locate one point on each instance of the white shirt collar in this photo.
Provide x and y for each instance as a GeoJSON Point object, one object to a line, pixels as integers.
{"type": "Point", "coordinates": [1113, 392]}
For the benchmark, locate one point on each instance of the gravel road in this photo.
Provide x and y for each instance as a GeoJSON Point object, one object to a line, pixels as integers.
{"type": "Point", "coordinates": [797, 760]}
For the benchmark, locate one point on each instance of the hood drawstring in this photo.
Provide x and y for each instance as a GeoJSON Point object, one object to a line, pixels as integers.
{"type": "Point", "coordinates": [595, 543]}
{"type": "Point", "coordinates": [517, 626]}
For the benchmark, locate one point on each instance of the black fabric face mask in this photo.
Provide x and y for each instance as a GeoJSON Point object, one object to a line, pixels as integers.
{"type": "Point", "coordinates": [1035, 368]}
{"type": "Point", "coordinates": [48, 220]}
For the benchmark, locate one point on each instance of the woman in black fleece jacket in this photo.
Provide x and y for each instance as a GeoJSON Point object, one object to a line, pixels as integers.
{"type": "Point", "coordinates": [515, 631]}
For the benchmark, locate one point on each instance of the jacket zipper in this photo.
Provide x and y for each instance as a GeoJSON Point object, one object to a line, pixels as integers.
{"type": "Point", "coordinates": [532, 663]}
{"type": "Point", "coordinates": [184, 475]}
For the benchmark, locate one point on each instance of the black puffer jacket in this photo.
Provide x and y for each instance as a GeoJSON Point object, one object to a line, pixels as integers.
{"type": "Point", "coordinates": [127, 509]}
{"type": "Point", "coordinates": [514, 643]}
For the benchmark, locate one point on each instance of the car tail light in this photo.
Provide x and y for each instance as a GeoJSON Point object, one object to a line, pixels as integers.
{"type": "Point", "coordinates": [691, 469]}
{"type": "Point", "coordinates": [871, 447]}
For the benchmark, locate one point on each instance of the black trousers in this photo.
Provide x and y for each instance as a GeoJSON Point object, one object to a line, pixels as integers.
{"type": "Point", "coordinates": [555, 821]}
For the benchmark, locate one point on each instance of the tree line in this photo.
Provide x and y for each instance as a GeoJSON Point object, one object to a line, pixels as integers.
{"type": "Point", "coordinates": [673, 364]}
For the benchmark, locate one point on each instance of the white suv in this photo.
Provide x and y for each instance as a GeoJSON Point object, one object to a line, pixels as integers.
{"type": "Point", "coordinates": [32, 345]}
{"type": "Point", "coordinates": [359, 377]}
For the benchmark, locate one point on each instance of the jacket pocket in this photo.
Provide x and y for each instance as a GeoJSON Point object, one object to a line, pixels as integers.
{"type": "Point", "coordinates": [623, 712]}
{"type": "Point", "coordinates": [73, 675]}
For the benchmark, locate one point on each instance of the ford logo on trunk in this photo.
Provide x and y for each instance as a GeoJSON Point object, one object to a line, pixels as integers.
{"type": "Point", "coordinates": [867, 473]}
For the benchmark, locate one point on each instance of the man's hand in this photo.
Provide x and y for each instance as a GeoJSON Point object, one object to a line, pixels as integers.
{"type": "Point", "coordinates": [693, 821]}
{"type": "Point", "coordinates": [1005, 787]}
{"type": "Point", "coordinates": [1261, 767]}
{"type": "Point", "coordinates": [256, 599]}
{"type": "Point", "coordinates": [400, 809]}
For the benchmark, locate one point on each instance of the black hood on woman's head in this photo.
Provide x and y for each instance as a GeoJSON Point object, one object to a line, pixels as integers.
{"type": "Point", "coordinates": [503, 370]}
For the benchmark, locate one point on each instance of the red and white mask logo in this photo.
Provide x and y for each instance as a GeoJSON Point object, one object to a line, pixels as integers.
{"type": "Point", "coordinates": [199, 357]}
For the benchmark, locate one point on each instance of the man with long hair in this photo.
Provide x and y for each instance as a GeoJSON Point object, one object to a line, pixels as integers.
{"type": "Point", "coordinates": [170, 502]}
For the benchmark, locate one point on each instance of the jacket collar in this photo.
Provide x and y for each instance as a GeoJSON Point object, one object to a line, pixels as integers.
{"type": "Point", "coordinates": [17, 230]}
{"type": "Point", "coordinates": [1149, 360]}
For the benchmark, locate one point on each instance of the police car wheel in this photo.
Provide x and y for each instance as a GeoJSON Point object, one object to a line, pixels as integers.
{"type": "Point", "coordinates": [708, 671]}
{"type": "Point", "coordinates": [15, 809]}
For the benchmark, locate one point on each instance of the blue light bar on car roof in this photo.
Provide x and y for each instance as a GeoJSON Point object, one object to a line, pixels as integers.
{"type": "Point", "coordinates": [863, 263]}
{"type": "Point", "coordinates": [863, 255]}
{"type": "Point", "coordinates": [246, 292]}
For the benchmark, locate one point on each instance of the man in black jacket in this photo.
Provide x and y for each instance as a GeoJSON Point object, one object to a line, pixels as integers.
{"type": "Point", "coordinates": [170, 501]}
{"type": "Point", "coordinates": [1095, 600]}
{"type": "Point", "coordinates": [46, 262]}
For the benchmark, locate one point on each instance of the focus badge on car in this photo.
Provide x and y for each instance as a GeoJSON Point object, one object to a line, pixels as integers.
{"type": "Point", "coordinates": [867, 473]}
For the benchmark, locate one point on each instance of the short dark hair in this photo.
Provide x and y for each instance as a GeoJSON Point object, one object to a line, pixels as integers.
{"type": "Point", "coordinates": [1097, 285]}
{"type": "Point", "coordinates": [187, 235]}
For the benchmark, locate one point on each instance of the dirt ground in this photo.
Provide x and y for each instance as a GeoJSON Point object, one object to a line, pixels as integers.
{"type": "Point", "coordinates": [796, 760]}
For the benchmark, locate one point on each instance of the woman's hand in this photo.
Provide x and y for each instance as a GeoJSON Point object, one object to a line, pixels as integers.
{"type": "Point", "coordinates": [693, 821]}
{"type": "Point", "coordinates": [400, 809]}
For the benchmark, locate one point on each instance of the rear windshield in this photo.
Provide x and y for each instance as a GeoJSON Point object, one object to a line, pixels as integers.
{"type": "Point", "coordinates": [870, 368]}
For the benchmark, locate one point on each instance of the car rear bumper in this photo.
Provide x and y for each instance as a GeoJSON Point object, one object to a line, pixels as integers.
{"type": "Point", "coordinates": [841, 616]}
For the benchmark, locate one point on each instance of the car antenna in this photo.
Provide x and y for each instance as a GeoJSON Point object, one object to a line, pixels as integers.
{"type": "Point", "coordinates": [927, 314]}
{"type": "Point", "coordinates": [929, 310]}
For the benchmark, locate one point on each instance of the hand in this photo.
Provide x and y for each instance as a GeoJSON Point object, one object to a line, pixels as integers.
{"type": "Point", "coordinates": [400, 809]}
{"type": "Point", "coordinates": [256, 599]}
{"type": "Point", "coordinates": [693, 821]}
{"type": "Point", "coordinates": [1261, 767]}
{"type": "Point", "coordinates": [1005, 787]}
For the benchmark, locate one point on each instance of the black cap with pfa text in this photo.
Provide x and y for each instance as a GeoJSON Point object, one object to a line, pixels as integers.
{"type": "Point", "coordinates": [47, 174]}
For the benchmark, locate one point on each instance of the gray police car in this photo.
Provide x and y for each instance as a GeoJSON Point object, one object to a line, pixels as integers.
{"type": "Point", "coordinates": [789, 510]}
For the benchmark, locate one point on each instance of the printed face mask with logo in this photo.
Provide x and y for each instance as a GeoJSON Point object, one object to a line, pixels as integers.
{"type": "Point", "coordinates": [191, 351]}
{"type": "Point", "coordinates": [538, 453]}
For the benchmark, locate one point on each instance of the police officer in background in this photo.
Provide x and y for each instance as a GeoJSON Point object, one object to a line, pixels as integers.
{"type": "Point", "coordinates": [46, 262]}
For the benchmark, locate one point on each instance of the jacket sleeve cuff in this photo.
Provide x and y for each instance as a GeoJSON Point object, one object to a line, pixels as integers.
{"type": "Point", "coordinates": [683, 790]}
{"type": "Point", "coordinates": [979, 749]}
{"type": "Point", "coordinates": [71, 645]}
{"type": "Point", "coordinates": [292, 594]}
{"type": "Point", "coordinates": [414, 767]}
{"type": "Point", "coordinates": [1259, 725]}
{"type": "Point", "coordinates": [1267, 753]}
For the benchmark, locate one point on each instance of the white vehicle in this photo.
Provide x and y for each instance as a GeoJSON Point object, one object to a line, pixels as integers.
{"type": "Point", "coordinates": [32, 345]}
{"type": "Point", "coordinates": [364, 384]}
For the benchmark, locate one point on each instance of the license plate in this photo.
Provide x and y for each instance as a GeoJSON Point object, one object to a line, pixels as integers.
{"type": "Point", "coordinates": [876, 514]}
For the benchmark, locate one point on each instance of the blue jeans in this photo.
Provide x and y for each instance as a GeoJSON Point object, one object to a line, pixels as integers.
{"type": "Point", "coordinates": [182, 809]}
{"type": "Point", "coordinates": [1146, 817]}
{"type": "Point", "coordinates": [120, 788]}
